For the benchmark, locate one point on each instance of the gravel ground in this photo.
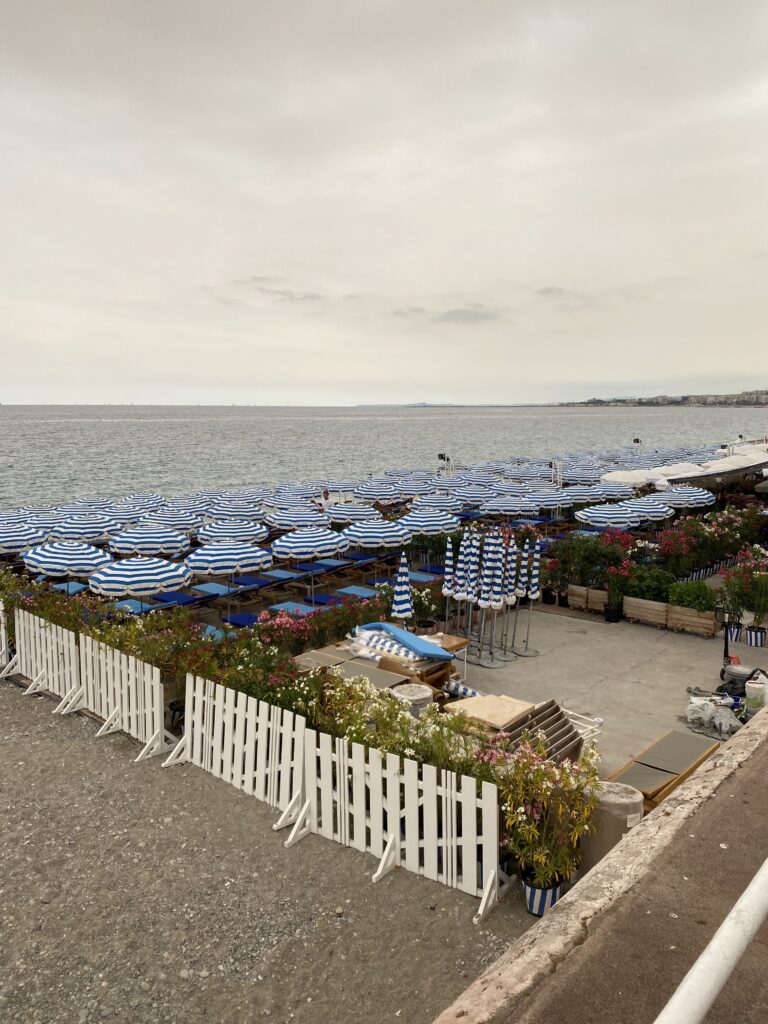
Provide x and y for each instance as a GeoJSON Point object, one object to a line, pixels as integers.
{"type": "Point", "coordinates": [139, 895]}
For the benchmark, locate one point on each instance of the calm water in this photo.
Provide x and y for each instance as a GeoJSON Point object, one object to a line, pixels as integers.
{"type": "Point", "coordinates": [57, 453]}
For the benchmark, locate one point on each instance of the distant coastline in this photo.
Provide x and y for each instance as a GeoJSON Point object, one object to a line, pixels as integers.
{"type": "Point", "coordinates": [743, 398]}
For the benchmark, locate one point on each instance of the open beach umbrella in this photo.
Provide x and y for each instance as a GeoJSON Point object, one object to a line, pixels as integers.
{"type": "Point", "coordinates": [448, 483]}
{"type": "Point", "coordinates": [149, 540]}
{"type": "Point", "coordinates": [445, 502]}
{"type": "Point", "coordinates": [340, 486]}
{"type": "Point", "coordinates": [687, 497]}
{"type": "Point", "coordinates": [377, 533]}
{"type": "Point", "coordinates": [232, 509]}
{"type": "Point", "coordinates": [278, 501]}
{"type": "Point", "coordinates": [175, 518]}
{"type": "Point", "coordinates": [653, 510]}
{"type": "Point", "coordinates": [89, 526]}
{"type": "Point", "coordinates": [293, 518]}
{"type": "Point", "coordinates": [579, 494]}
{"type": "Point", "coordinates": [473, 494]}
{"type": "Point", "coordinates": [508, 505]}
{"type": "Point", "coordinates": [373, 490]}
{"type": "Point", "coordinates": [86, 505]}
{"type": "Point", "coordinates": [304, 491]}
{"type": "Point", "coordinates": [45, 521]}
{"type": "Point", "coordinates": [610, 515]}
{"type": "Point", "coordinates": [66, 558]}
{"type": "Point", "coordinates": [402, 600]}
{"type": "Point", "coordinates": [350, 513]}
{"type": "Point", "coordinates": [139, 577]}
{"type": "Point", "coordinates": [223, 558]}
{"type": "Point", "coordinates": [193, 503]}
{"type": "Point", "coordinates": [232, 530]}
{"type": "Point", "coordinates": [611, 489]}
{"type": "Point", "coordinates": [413, 488]}
{"type": "Point", "coordinates": [428, 522]}
{"type": "Point", "coordinates": [506, 487]}
{"type": "Point", "coordinates": [309, 542]}
{"type": "Point", "coordinates": [15, 517]}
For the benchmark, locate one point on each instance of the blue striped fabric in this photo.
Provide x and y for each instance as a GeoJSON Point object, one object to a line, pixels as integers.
{"type": "Point", "coordinates": [449, 582]}
{"type": "Point", "coordinates": [66, 558]}
{"type": "Point", "coordinates": [139, 577]}
{"type": "Point", "coordinates": [511, 571]}
{"type": "Point", "coordinates": [350, 512]}
{"type": "Point", "coordinates": [232, 530]}
{"type": "Point", "coordinates": [89, 526]}
{"type": "Point", "coordinates": [149, 540]}
{"type": "Point", "coordinates": [232, 509]}
{"type": "Point", "coordinates": [521, 587]}
{"type": "Point", "coordinates": [492, 572]}
{"type": "Point", "coordinates": [377, 533]}
{"type": "Point", "coordinates": [292, 518]}
{"type": "Point", "coordinates": [687, 497]}
{"type": "Point", "coordinates": [309, 542]}
{"type": "Point", "coordinates": [609, 515]}
{"type": "Point", "coordinates": [473, 568]}
{"type": "Point", "coordinates": [175, 518]}
{"type": "Point", "coordinates": [413, 487]}
{"type": "Point", "coordinates": [444, 502]}
{"type": "Point", "coordinates": [534, 593]}
{"type": "Point", "coordinates": [539, 901]}
{"type": "Point", "coordinates": [223, 558]}
{"type": "Point", "coordinates": [473, 494]}
{"type": "Point", "coordinates": [428, 522]}
{"type": "Point", "coordinates": [384, 644]}
{"type": "Point", "coordinates": [460, 575]}
{"type": "Point", "coordinates": [372, 490]}
{"type": "Point", "coordinates": [509, 505]}
{"type": "Point", "coordinates": [653, 510]}
{"type": "Point", "coordinates": [402, 602]}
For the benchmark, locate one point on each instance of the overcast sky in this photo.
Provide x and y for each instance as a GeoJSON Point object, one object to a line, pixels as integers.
{"type": "Point", "coordinates": [382, 200]}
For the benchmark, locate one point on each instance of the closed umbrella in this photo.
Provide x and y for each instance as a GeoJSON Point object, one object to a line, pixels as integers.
{"type": "Point", "coordinates": [449, 583]}
{"type": "Point", "coordinates": [66, 558]}
{"type": "Point", "coordinates": [531, 574]}
{"type": "Point", "coordinates": [232, 530]}
{"type": "Point", "coordinates": [149, 540]}
{"type": "Point", "coordinates": [402, 601]}
{"type": "Point", "coordinates": [139, 577]}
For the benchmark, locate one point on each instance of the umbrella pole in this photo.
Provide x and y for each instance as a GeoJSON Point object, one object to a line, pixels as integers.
{"type": "Point", "coordinates": [476, 658]}
{"type": "Point", "coordinates": [525, 651]}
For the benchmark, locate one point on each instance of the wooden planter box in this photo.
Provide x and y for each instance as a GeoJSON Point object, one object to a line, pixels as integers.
{"type": "Point", "coordinates": [652, 613]}
{"type": "Point", "coordinates": [596, 600]}
{"type": "Point", "coordinates": [686, 619]}
{"type": "Point", "coordinates": [577, 597]}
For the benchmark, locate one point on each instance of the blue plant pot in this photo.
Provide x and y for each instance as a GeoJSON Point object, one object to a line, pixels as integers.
{"type": "Point", "coordinates": [755, 636]}
{"type": "Point", "coordinates": [734, 631]}
{"type": "Point", "coordinates": [539, 901]}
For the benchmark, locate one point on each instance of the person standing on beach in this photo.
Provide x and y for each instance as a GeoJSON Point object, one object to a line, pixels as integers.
{"type": "Point", "coordinates": [324, 501]}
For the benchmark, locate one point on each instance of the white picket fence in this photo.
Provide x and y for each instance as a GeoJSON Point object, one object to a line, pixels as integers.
{"type": "Point", "coordinates": [5, 650]}
{"type": "Point", "coordinates": [125, 692]}
{"type": "Point", "coordinates": [252, 745]}
{"type": "Point", "coordinates": [430, 822]}
{"type": "Point", "coordinates": [47, 655]}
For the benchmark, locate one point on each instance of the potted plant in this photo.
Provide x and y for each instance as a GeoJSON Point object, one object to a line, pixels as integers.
{"type": "Point", "coordinates": [692, 608]}
{"type": "Point", "coordinates": [759, 603]}
{"type": "Point", "coordinates": [617, 579]}
{"type": "Point", "coordinates": [647, 595]}
{"type": "Point", "coordinates": [730, 602]}
{"type": "Point", "coordinates": [547, 809]}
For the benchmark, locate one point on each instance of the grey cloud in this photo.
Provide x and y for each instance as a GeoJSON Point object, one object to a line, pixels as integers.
{"type": "Point", "coordinates": [474, 314]}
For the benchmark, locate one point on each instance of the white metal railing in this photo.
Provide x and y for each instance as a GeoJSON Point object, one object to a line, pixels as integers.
{"type": "Point", "coordinates": [702, 984]}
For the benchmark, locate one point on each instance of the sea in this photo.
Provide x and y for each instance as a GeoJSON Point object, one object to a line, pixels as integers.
{"type": "Point", "coordinates": [53, 454]}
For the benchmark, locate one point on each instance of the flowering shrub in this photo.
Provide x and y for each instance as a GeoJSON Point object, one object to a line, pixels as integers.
{"type": "Point", "coordinates": [617, 580]}
{"type": "Point", "coordinates": [547, 807]}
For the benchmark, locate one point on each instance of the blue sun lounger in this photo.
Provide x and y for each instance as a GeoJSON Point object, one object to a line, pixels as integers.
{"type": "Point", "coordinates": [363, 593]}
{"type": "Point", "coordinates": [243, 619]}
{"type": "Point", "coordinates": [135, 607]}
{"type": "Point", "coordinates": [70, 588]}
{"type": "Point", "coordinates": [325, 600]}
{"type": "Point", "coordinates": [178, 598]}
{"type": "Point", "coordinates": [293, 608]}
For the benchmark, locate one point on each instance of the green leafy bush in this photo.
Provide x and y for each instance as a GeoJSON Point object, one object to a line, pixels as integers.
{"type": "Point", "coordinates": [650, 583]}
{"type": "Point", "coordinates": [695, 594]}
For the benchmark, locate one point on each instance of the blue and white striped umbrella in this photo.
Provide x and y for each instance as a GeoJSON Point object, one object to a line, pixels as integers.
{"type": "Point", "coordinates": [497, 582]}
{"type": "Point", "coordinates": [448, 483]}
{"type": "Point", "coordinates": [413, 488]}
{"type": "Point", "coordinates": [473, 568]}
{"type": "Point", "coordinates": [231, 509]}
{"type": "Point", "coordinates": [278, 501]}
{"type": "Point", "coordinates": [505, 487]}
{"type": "Point", "coordinates": [210, 494]}
{"type": "Point", "coordinates": [133, 513]}
{"type": "Point", "coordinates": [534, 593]}
{"type": "Point", "coordinates": [372, 490]}
{"type": "Point", "coordinates": [428, 522]}
{"type": "Point", "coordinates": [402, 600]}
{"type": "Point", "coordinates": [473, 494]}
{"type": "Point", "coordinates": [445, 502]}
{"type": "Point", "coordinates": [150, 500]}
{"type": "Point", "coordinates": [462, 565]}
{"type": "Point", "coordinates": [66, 558]}
{"type": "Point", "coordinates": [175, 518]}
{"type": "Point", "coordinates": [194, 503]}
{"type": "Point", "coordinates": [550, 499]}
{"type": "Point", "coordinates": [610, 515]}
{"type": "Point", "coordinates": [90, 526]}
{"type": "Point", "coordinates": [223, 558]}
{"type": "Point", "coordinates": [255, 495]}
{"type": "Point", "coordinates": [687, 497]}
{"type": "Point", "coordinates": [653, 510]}
{"type": "Point", "coordinates": [521, 586]}
{"type": "Point", "coordinates": [511, 569]}
{"type": "Point", "coordinates": [293, 518]}
{"type": "Point", "coordinates": [492, 570]}
{"type": "Point", "coordinates": [449, 583]}
{"type": "Point", "coordinates": [139, 577]}
{"type": "Point", "coordinates": [82, 505]}
{"type": "Point", "coordinates": [232, 530]}
{"type": "Point", "coordinates": [149, 540]}
{"type": "Point", "coordinates": [615, 490]}
{"type": "Point", "coordinates": [579, 494]}
{"type": "Point", "coordinates": [45, 521]}
{"type": "Point", "coordinates": [350, 513]}
{"type": "Point", "coordinates": [15, 516]}
{"type": "Point", "coordinates": [377, 533]}
{"type": "Point", "coordinates": [341, 486]}
{"type": "Point", "coordinates": [508, 505]}
{"type": "Point", "coordinates": [309, 542]}
{"type": "Point", "coordinates": [299, 491]}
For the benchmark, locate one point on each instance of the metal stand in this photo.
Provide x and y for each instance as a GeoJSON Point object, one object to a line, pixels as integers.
{"type": "Point", "coordinates": [505, 654]}
{"type": "Point", "coordinates": [525, 651]}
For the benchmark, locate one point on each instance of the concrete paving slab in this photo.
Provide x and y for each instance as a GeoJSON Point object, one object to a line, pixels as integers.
{"type": "Point", "coordinates": [633, 676]}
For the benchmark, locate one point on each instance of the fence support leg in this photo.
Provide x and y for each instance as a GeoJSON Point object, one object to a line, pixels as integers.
{"type": "Point", "coordinates": [179, 754]}
{"type": "Point", "coordinates": [37, 684]}
{"type": "Point", "coordinates": [155, 746]}
{"type": "Point", "coordinates": [112, 723]}
{"type": "Point", "coordinates": [11, 667]}
{"type": "Point", "coordinates": [300, 820]}
{"type": "Point", "coordinates": [72, 702]}
{"type": "Point", "coordinates": [387, 862]}
{"type": "Point", "coordinates": [489, 899]}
